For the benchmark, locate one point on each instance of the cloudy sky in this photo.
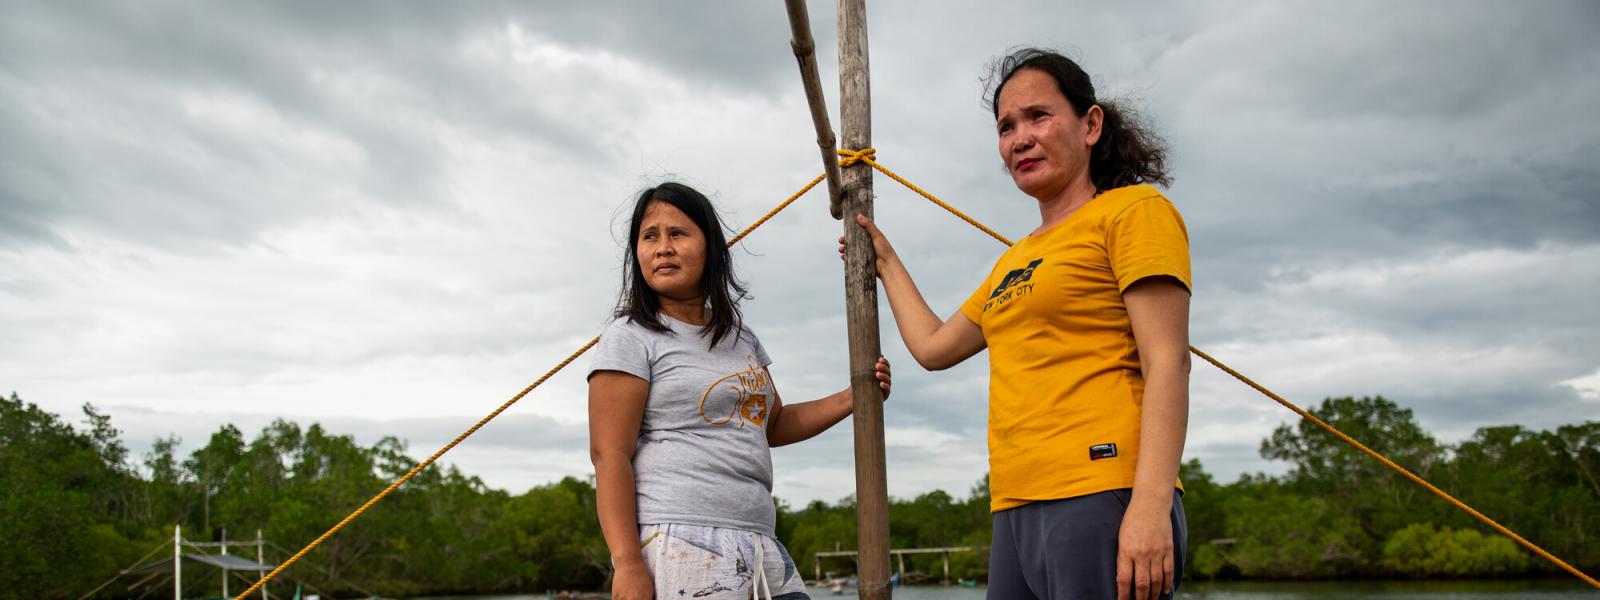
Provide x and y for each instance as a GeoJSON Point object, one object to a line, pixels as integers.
{"type": "Point", "coordinates": [390, 217]}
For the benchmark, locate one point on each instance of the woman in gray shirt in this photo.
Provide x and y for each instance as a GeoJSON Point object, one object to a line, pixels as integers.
{"type": "Point", "coordinates": [682, 413]}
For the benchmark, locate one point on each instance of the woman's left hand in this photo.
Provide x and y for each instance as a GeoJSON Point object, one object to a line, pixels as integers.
{"type": "Point", "coordinates": [1144, 552]}
{"type": "Point", "coordinates": [883, 376]}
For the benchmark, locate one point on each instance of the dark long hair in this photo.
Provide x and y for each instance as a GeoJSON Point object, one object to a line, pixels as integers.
{"type": "Point", "coordinates": [722, 290]}
{"type": "Point", "coordinates": [1129, 151]}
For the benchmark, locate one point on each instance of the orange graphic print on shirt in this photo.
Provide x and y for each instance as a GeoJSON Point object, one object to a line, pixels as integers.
{"type": "Point", "coordinates": [751, 388]}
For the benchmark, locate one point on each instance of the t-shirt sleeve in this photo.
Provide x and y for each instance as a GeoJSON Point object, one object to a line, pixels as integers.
{"type": "Point", "coordinates": [757, 349]}
{"type": "Point", "coordinates": [621, 349]}
{"type": "Point", "coordinates": [1148, 239]}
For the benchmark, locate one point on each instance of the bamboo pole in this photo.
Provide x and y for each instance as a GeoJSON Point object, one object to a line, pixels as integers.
{"type": "Point", "coordinates": [861, 308]}
{"type": "Point", "coordinates": [805, 53]}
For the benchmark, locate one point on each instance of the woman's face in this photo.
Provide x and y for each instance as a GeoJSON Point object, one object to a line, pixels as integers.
{"type": "Point", "coordinates": [1043, 142]}
{"type": "Point", "coordinates": [671, 252]}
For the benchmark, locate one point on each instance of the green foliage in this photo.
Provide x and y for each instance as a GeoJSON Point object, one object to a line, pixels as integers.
{"type": "Point", "coordinates": [821, 527]}
{"type": "Point", "coordinates": [554, 532]}
{"type": "Point", "coordinates": [1338, 512]}
{"type": "Point", "coordinates": [1282, 534]}
{"type": "Point", "coordinates": [1420, 550]}
{"type": "Point", "coordinates": [64, 498]}
{"type": "Point", "coordinates": [83, 509]}
{"type": "Point", "coordinates": [932, 520]}
{"type": "Point", "coordinates": [1209, 561]}
{"type": "Point", "coordinates": [86, 512]}
{"type": "Point", "coordinates": [1203, 502]}
{"type": "Point", "coordinates": [1357, 486]}
{"type": "Point", "coordinates": [1541, 484]}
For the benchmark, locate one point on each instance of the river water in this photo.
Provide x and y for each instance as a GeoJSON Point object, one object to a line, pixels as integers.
{"type": "Point", "coordinates": [1541, 589]}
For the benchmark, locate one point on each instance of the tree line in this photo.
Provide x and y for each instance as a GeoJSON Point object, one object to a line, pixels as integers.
{"type": "Point", "coordinates": [76, 506]}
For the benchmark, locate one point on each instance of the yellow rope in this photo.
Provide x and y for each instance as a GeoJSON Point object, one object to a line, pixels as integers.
{"type": "Point", "coordinates": [1397, 468]}
{"type": "Point", "coordinates": [868, 156]}
{"type": "Point", "coordinates": [774, 212]}
{"type": "Point", "coordinates": [481, 422]}
{"type": "Point", "coordinates": [414, 470]}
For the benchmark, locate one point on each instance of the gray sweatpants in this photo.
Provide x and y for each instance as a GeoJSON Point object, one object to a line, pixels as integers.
{"type": "Point", "coordinates": [1067, 549]}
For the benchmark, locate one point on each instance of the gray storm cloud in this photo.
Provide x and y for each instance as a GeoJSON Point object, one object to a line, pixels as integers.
{"type": "Point", "coordinates": [388, 217]}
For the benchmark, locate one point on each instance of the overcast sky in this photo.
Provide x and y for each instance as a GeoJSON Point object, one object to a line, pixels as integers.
{"type": "Point", "coordinates": [390, 217]}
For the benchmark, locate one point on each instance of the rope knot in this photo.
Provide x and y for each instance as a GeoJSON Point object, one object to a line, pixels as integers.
{"type": "Point", "coordinates": [851, 157]}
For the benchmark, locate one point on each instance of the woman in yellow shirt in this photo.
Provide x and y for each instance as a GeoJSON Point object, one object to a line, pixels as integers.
{"type": "Point", "coordinates": [1086, 322]}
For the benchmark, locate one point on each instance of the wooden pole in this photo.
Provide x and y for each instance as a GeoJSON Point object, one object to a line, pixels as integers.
{"type": "Point", "coordinates": [261, 559]}
{"type": "Point", "coordinates": [177, 562]}
{"type": "Point", "coordinates": [861, 308]}
{"type": "Point", "coordinates": [805, 53]}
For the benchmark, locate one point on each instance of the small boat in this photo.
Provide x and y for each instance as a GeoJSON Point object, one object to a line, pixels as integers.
{"type": "Point", "coordinates": [838, 585]}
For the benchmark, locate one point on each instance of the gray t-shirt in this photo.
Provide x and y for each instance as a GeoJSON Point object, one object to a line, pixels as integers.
{"type": "Point", "coordinates": [702, 457]}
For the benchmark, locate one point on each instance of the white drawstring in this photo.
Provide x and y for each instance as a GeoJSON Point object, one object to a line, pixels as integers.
{"type": "Point", "coordinates": [761, 572]}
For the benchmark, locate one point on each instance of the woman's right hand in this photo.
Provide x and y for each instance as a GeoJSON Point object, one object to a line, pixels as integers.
{"type": "Point", "coordinates": [881, 249]}
{"type": "Point", "coordinates": [632, 581]}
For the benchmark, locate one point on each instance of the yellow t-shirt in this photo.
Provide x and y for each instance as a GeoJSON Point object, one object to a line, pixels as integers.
{"type": "Point", "coordinates": [1065, 388]}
